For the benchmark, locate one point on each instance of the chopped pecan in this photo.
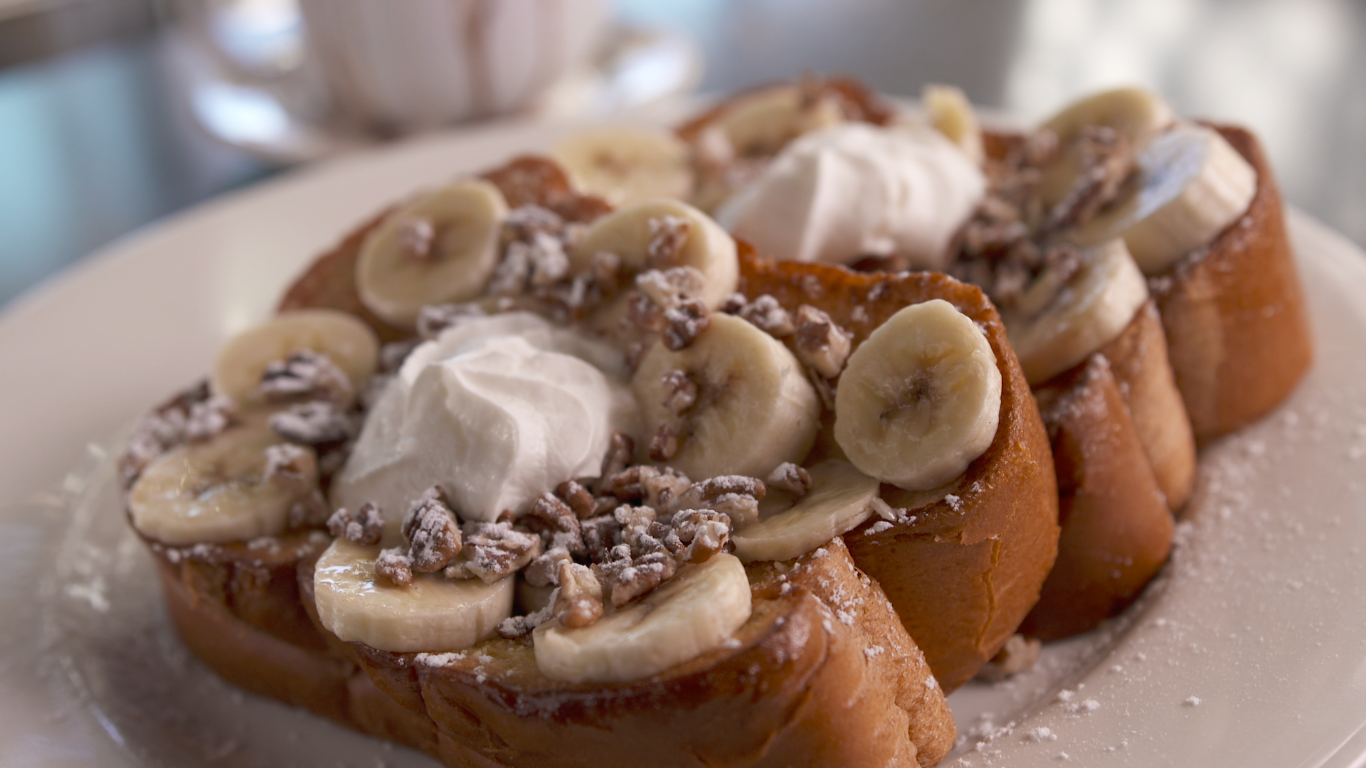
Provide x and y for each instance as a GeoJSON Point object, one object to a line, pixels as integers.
{"type": "Point", "coordinates": [1107, 159]}
{"type": "Point", "coordinates": [154, 434]}
{"type": "Point", "coordinates": [317, 422]}
{"type": "Point", "coordinates": [520, 626]}
{"type": "Point", "coordinates": [579, 498]}
{"type": "Point", "coordinates": [625, 578]}
{"type": "Point", "coordinates": [572, 234]}
{"type": "Point", "coordinates": [766, 314]}
{"type": "Point", "coordinates": [669, 302]}
{"type": "Point", "coordinates": [523, 222]}
{"type": "Point", "coordinates": [621, 450]}
{"type": "Point", "coordinates": [637, 529]}
{"type": "Point", "coordinates": [416, 236]}
{"type": "Point", "coordinates": [364, 528]}
{"type": "Point", "coordinates": [512, 273]}
{"type": "Point", "coordinates": [668, 235]}
{"type": "Point", "coordinates": [435, 318]}
{"type": "Point", "coordinates": [625, 485]}
{"type": "Point", "coordinates": [579, 602]}
{"type": "Point", "coordinates": [600, 535]}
{"type": "Point", "coordinates": [544, 569]}
{"type": "Point", "coordinates": [659, 486]}
{"type": "Point", "coordinates": [1039, 148]}
{"type": "Point", "coordinates": [790, 477]}
{"type": "Point", "coordinates": [395, 566]}
{"type": "Point", "coordinates": [207, 418]}
{"type": "Point", "coordinates": [295, 469]}
{"type": "Point", "coordinates": [737, 496]}
{"type": "Point", "coordinates": [605, 271]}
{"type": "Point", "coordinates": [820, 343]}
{"type": "Point", "coordinates": [684, 323]}
{"type": "Point", "coordinates": [664, 444]}
{"type": "Point", "coordinates": [305, 375]}
{"type": "Point", "coordinates": [556, 522]}
{"type": "Point", "coordinates": [291, 464]}
{"type": "Point", "coordinates": [549, 262]}
{"type": "Point", "coordinates": [697, 534]}
{"type": "Point", "coordinates": [570, 299]}
{"type": "Point", "coordinates": [432, 532]}
{"type": "Point", "coordinates": [493, 551]}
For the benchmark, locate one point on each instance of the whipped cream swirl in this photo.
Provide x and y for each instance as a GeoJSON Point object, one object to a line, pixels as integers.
{"type": "Point", "coordinates": [854, 190]}
{"type": "Point", "coordinates": [498, 410]}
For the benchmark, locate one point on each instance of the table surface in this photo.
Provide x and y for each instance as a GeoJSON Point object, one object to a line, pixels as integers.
{"type": "Point", "coordinates": [97, 141]}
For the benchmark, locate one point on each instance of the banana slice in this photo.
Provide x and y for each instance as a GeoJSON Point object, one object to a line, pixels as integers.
{"type": "Point", "coordinates": [216, 491]}
{"type": "Point", "coordinates": [753, 408]}
{"type": "Point", "coordinates": [1088, 312]}
{"type": "Point", "coordinates": [433, 614]}
{"type": "Point", "coordinates": [841, 497]}
{"type": "Point", "coordinates": [627, 234]}
{"type": "Point", "coordinates": [1192, 185]}
{"type": "Point", "coordinates": [627, 164]}
{"type": "Point", "coordinates": [1136, 113]}
{"type": "Point", "coordinates": [762, 123]}
{"type": "Point", "coordinates": [347, 342]}
{"type": "Point", "coordinates": [442, 247]}
{"type": "Point", "coordinates": [691, 614]}
{"type": "Point", "coordinates": [920, 398]}
{"type": "Point", "coordinates": [952, 115]}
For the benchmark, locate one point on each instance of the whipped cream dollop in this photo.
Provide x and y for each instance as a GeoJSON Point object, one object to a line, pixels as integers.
{"type": "Point", "coordinates": [854, 190]}
{"type": "Point", "coordinates": [498, 410]}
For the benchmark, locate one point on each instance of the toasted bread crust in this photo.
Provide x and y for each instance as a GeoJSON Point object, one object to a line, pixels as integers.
{"type": "Point", "coordinates": [1116, 527]}
{"type": "Point", "coordinates": [1139, 361]}
{"type": "Point", "coordinates": [303, 671]}
{"type": "Point", "coordinates": [1237, 327]}
{"type": "Point", "coordinates": [963, 573]}
{"type": "Point", "coordinates": [824, 675]}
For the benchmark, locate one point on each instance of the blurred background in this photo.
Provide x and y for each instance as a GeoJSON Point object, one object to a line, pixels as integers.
{"type": "Point", "coordinates": [108, 120]}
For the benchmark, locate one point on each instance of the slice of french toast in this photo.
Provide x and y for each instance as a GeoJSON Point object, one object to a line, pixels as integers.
{"type": "Point", "coordinates": [962, 564]}
{"type": "Point", "coordinates": [1237, 327]}
{"type": "Point", "coordinates": [821, 674]}
{"type": "Point", "coordinates": [1116, 526]}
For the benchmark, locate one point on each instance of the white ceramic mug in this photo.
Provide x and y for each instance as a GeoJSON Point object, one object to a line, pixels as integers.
{"type": "Point", "coordinates": [389, 67]}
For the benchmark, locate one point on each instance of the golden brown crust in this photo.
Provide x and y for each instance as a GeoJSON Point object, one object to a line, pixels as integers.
{"type": "Point", "coordinates": [1138, 358]}
{"type": "Point", "coordinates": [963, 573]}
{"type": "Point", "coordinates": [257, 585]}
{"type": "Point", "coordinates": [301, 671]}
{"type": "Point", "coordinates": [824, 675]}
{"type": "Point", "coordinates": [1116, 527]}
{"type": "Point", "coordinates": [1237, 327]}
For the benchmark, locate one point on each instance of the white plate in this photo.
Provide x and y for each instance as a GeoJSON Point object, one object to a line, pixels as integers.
{"type": "Point", "coordinates": [1252, 652]}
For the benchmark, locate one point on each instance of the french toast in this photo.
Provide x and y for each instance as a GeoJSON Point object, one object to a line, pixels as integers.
{"type": "Point", "coordinates": [1116, 527]}
{"type": "Point", "coordinates": [997, 520]}
{"type": "Point", "coordinates": [820, 629]}
{"type": "Point", "coordinates": [1188, 354]}
{"type": "Point", "coordinates": [1237, 327]}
